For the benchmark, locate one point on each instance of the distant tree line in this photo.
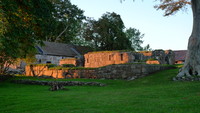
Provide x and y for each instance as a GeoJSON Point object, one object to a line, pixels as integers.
{"type": "Point", "coordinates": [109, 33]}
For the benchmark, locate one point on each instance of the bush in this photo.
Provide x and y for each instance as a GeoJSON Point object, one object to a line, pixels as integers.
{"type": "Point", "coordinates": [20, 75]}
{"type": "Point", "coordinates": [51, 65]}
{"type": "Point", "coordinates": [71, 68]}
{"type": "Point", "coordinates": [151, 59]}
{"type": "Point", "coordinates": [68, 65]}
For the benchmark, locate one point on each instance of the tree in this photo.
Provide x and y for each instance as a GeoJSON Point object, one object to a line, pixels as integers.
{"type": "Point", "coordinates": [24, 25]}
{"type": "Point", "coordinates": [147, 48]}
{"type": "Point", "coordinates": [68, 21]}
{"type": "Point", "coordinates": [107, 33]}
{"type": "Point", "coordinates": [90, 33]}
{"type": "Point", "coordinates": [3, 21]}
{"type": "Point", "coordinates": [111, 32]}
{"type": "Point", "coordinates": [192, 62]}
{"type": "Point", "coordinates": [135, 37]}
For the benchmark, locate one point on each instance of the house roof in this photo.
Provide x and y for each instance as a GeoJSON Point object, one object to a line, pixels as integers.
{"type": "Point", "coordinates": [58, 49]}
{"type": "Point", "coordinates": [180, 55]}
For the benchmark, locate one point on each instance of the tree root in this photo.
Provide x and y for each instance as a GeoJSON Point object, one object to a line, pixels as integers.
{"type": "Point", "coordinates": [188, 71]}
{"type": "Point", "coordinates": [184, 72]}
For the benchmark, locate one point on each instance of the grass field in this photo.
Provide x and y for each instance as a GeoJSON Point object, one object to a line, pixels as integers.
{"type": "Point", "coordinates": [156, 93]}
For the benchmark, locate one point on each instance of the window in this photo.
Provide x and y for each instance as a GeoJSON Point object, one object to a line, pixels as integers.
{"type": "Point", "coordinates": [39, 61]}
{"type": "Point", "coordinates": [121, 56]}
{"type": "Point", "coordinates": [110, 57]}
{"type": "Point", "coordinates": [48, 62]}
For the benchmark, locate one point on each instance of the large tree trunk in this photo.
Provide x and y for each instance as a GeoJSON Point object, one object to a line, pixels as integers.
{"type": "Point", "coordinates": [192, 61]}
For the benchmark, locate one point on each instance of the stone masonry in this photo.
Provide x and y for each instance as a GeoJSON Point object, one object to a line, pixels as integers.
{"type": "Point", "coordinates": [73, 61]}
{"type": "Point", "coordinates": [122, 71]}
{"type": "Point", "coordinates": [99, 59]}
{"type": "Point", "coordinates": [104, 58]}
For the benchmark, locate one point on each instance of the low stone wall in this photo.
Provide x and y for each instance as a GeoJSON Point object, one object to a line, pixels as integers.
{"type": "Point", "coordinates": [128, 71]}
{"type": "Point", "coordinates": [122, 71]}
{"type": "Point", "coordinates": [63, 83]}
{"type": "Point", "coordinates": [57, 73]}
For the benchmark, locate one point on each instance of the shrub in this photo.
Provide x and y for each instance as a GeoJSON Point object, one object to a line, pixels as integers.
{"type": "Point", "coordinates": [71, 68]}
{"type": "Point", "coordinates": [68, 65]}
{"type": "Point", "coordinates": [151, 59]}
{"type": "Point", "coordinates": [20, 75]}
{"type": "Point", "coordinates": [51, 65]}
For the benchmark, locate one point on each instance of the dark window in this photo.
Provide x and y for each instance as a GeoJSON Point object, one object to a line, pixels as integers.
{"type": "Point", "coordinates": [121, 55]}
{"type": "Point", "coordinates": [40, 61]}
{"type": "Point", "coordinates": [110, 57]}
{"type": "Point", "coordinates": [48, 62]}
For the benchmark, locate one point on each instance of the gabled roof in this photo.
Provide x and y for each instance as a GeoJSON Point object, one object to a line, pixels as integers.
{"type": "Point", "coordinates": [58, 49]}
{"type": "Point", "coordinates": [180, 55]}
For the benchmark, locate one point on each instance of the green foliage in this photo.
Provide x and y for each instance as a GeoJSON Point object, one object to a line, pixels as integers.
{"type": "Point", "coordinates": [107, 33]}
{"type": "Point", "coordinates": [110, 51]}
{"type": "Point", "coordinates": [147, 48]}
{"type": "Point", "coordinates": [20, 75]}
{"type": "Point", "coordinates": [68, 65]}
{"type": "Point", "coordinates": [111, 32]}
{"type": "Point", "coordinates": [30, 58]}
{"type": "Point", "coordinates": [156, 93]}
{"type": "Point", "coordinates": [135, 37]}
{"type": "Point", "coordinates": [51, 65]}
{"type": "Point", "coordinates": [48, 65]}
{"type": "Point", "coordinates": [152, 59]}
{"type": "Point", "coordinates": [179, 65]}
{"type": "Point", "coordinates": [38, 64]}
{"type": "Point", "coordinates": [3, 21]}
{"type": "Point", "coordinates": [24, 25]}
{"type": "Point", "coordinates": [70, 68]}
{"type": "Point", "coordinates": [67, 24]}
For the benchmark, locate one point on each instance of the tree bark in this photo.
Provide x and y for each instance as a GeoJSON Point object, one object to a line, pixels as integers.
{"type": "Point", "coordinates": [192, 61]}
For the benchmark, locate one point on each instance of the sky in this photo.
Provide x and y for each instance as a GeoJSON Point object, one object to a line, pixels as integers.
{"type": "Point", "coordinates": [161, 32]}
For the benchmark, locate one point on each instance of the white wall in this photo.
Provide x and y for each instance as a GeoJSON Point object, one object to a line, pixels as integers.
{"type": "Point", "coordinates": [48, 58]}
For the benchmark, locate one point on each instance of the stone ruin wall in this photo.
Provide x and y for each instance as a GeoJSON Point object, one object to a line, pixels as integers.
{"type": "Point", "coordinates": [123, 71]}
{"type": "Point", "coordinates": [55, 73]}
{"type": "Point", "coordinates": [128, 71]}
{"type": "Point", "coordinates": [99, 59]}
{"type": "Point", "coordinates": [69, 61]}
{"type": "Point", "coordinates": [160, 56]}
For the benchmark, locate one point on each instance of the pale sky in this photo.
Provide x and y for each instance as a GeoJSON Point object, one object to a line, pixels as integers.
{"type": "Point", "coordinates": [160, 32]}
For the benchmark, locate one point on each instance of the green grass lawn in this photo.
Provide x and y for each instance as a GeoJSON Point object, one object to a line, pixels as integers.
{"type": "Point", "coordinates": [156, 93]}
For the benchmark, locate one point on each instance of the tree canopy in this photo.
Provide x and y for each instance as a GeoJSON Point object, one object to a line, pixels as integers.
{"type": "Point", "coordinates": [135, 37]}
{"type": "Point", "coordinates": [24, 24]}
{"type": "Point", "coordinates": [109, 33]}
{"type": "Point", "coordinates": [67, 24]}
{"type": "Point", "coordinates": [172, 6]}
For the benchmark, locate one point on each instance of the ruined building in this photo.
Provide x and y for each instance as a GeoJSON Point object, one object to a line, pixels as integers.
{"type": "Point", "coordinates": [104, 58]}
